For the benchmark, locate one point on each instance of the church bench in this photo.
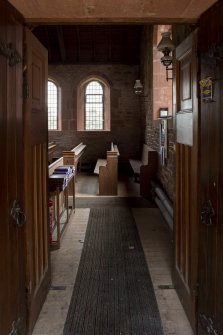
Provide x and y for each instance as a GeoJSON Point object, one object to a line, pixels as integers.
{"type": "Point", "coordinates": [107, 169]}
{"type": "Point", "coordinates": [69, 158]}
{"type": "Point", "coordinates": [54, 165]}
{"type": "Point", "coordinates": [51, 150]}
{"type": "Point", "coordinates": [145, 168]}
{"type": "Point", "coordinates": [73, 157]}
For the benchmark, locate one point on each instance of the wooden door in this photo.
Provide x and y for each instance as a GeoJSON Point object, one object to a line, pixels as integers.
{"type": "Point", "coordinates": [210, 309]}
{"type": "Point", "coordinates": [36, 174]}
{"type": "Point", "coordinates": [186, 205]}
{"type": "Point", "coordinates": [12, 261]}
{"type": "Point", "coordinates": [210, 300]}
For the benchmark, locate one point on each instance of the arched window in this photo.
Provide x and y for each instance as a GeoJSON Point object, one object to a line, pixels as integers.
{"type": "Point", "coordinates": [94, 106]}
{"type": "Point", "coordinates": [53, 117]}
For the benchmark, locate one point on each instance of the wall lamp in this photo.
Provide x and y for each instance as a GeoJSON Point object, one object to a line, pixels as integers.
{"type": "Point", "coordinates": [138, 87]}
{"type": "Point", "coordinates": [166, 46]}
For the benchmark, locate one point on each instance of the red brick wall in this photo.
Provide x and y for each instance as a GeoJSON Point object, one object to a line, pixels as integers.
{"type": "Point", "coordinates": [166, 174]}
{"type": "Point", "coordinates": [162, 89]}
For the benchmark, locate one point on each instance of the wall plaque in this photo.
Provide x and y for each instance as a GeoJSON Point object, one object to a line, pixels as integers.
{"type": "Point", "coordinates": [206, 86]}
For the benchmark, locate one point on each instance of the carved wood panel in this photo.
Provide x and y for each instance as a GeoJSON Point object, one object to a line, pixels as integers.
{"type": "Point", "coordinates": [186, 210]}
{"type": "Point", "coordinates": [36, 190]}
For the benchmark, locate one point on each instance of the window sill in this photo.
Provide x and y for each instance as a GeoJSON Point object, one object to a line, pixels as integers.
{"type": "Point", "coordinates": [93, 131]}
{"type": "Point", "coordinates": [56, 130]}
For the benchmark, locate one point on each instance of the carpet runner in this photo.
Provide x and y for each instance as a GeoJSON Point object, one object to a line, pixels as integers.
{"type": "Point", "coordinates": [113, 292]}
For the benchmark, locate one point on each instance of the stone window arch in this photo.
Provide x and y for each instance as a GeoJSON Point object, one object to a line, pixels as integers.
{"type": "Point", "coordinates": [93, 91]}
{"type": "Point", "coordinates": [54, 105]}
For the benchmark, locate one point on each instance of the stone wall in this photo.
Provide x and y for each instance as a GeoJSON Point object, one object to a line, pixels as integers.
{"type": "Point", "coordinates": [126, 128]}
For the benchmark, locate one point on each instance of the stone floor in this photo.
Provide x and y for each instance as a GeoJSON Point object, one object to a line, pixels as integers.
{"type": "Point", "coordinates": [156, 239]}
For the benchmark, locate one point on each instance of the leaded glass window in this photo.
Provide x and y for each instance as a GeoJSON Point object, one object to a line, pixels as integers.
{"type": "Point", "coordinates": [52, 106]}
{"type": "Point", "coordinates": [94, 106]}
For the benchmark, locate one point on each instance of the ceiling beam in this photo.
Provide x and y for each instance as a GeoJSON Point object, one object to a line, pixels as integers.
{"type": "Point", "coordinates": [102, 21]}
{"type": "Point", "coordinates": [127, 11]}
{"type": "Point", "coordinates": [78, 43]}
{"type": "Point", "coordinates": [48, 42]}
{"type": "Point", "coordinates": [61, 43]}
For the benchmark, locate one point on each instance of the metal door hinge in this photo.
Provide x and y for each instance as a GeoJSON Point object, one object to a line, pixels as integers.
{"type": "Point", "coordinates": [195, 292]}
{"type": "Point", "coordinates": [208, 324]}
{"type": "Point", "coordinates": [9, 51]}
{"type": "Point", "coordinates": [18, 216]}
{"type": "Point", "coordinates": [28, 289]}
{"type": "Point", "coordinates": [16, 326]}
{"type": "Point", "coordinates": [207, 213]}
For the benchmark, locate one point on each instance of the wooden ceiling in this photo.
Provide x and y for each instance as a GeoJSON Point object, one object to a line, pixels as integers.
{"type": "Point", "coordinates": [81, 44]}
{"type": "Point", "coordinates": [144, 11]}
{"type": "Point", "coordinates": [101, 31]}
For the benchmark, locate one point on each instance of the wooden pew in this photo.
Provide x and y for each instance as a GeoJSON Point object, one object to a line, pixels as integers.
{"type": "Point", "coordinates": [107, 169]}
{"type": "Point", "coordinates": [145, 168]}
{"type": "Point", "coordinates": [54, 165]}
{"type": "Point", "coordinates": [73, 157]}
{"type": "Point", "coordinates": [69, 158]}
{"type": "Point", "coordinates": [51, 149]}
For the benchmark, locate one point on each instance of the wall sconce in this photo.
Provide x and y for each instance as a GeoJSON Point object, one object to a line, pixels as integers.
{"type": "Point", "coordinates": [138, 87]}
{"type": "Point", "coordinates": [166, 46]}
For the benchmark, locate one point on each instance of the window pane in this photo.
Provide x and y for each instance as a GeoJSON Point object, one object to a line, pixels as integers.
{"type": "Point", "coordinates": [94, 88]}
{"type": "Point", "coordinates": [94, 98]}
{"type": "Point", "coordinates": [52, 106]}
{"type": "Point", "coordinates": [94, 106]}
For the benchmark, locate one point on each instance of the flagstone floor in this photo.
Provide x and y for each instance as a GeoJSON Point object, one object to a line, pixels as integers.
{"type": "Point", "coordinates": [157, 242]}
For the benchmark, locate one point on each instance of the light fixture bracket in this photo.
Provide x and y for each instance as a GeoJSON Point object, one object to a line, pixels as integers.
{"type": "Point", "coordinates": [167, 73]}
{"type": "Point", "coordinates": [166, 46]}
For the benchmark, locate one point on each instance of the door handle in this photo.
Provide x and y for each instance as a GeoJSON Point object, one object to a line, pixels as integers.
{"type": "Point", "coordinates": [207, 213]}
{"type": "Point", "coordinates": [18, 216]}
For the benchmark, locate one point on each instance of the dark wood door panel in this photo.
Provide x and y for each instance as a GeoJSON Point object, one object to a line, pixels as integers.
{"type": "Point", "coordinates": [184, 58]}
{"type": "Point", "coordinates": [186, 206]}
{"type": "Point", "coordinates": [211, 192]}
{"type": "Point", "coordinates": [211, 250]}
{"type": "Point", "coordinates": [219, 223]}
{"type": "Point", "coordinates": [186, 82]}
{"type": "Point", "coordinates": [12, 264]}
{"type": "Point", "coordinates": [36, 200]}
